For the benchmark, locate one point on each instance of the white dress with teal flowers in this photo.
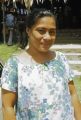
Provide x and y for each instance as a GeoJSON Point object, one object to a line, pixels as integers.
{"type": "Point", "coordinates": [42, 89]}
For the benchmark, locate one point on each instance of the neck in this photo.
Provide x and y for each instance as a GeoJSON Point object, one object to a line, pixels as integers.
{"type": "Point", "coordinates": [40, 57]}
{"type": "Point", "coordinates": [35, 52]}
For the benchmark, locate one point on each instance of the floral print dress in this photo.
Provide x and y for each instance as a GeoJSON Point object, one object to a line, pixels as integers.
{"type": "Point", "coordinates": [42, 89]}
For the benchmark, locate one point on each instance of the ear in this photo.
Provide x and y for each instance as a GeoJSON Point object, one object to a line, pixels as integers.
{"type": "Point", "coordinates": [27, 31]}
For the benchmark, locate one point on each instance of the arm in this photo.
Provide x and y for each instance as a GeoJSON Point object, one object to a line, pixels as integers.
{"type": "Point", "coordinates": [75, 101]}
{"type": "Point", "coordinates": [8, 102]}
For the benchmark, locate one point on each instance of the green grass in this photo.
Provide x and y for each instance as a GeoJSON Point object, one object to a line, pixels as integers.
{"type": "Point", "coordinates": [77, 82]}
{"type": "Point", "coordinates": [7, 51]}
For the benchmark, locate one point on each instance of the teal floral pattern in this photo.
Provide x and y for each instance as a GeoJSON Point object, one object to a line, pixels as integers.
{"type": "Point", "coordinates": [42, 89]}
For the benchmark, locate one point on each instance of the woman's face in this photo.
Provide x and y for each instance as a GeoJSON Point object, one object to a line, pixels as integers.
{"type": "Point", "coordinates": [42, 35]}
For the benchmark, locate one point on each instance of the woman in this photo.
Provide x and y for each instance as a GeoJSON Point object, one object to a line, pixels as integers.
{"type": "Point", "coordinates": [38, 81]}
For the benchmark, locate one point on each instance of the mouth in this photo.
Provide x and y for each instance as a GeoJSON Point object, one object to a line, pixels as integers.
{"type": "Point", "coordinates": [45, 45]}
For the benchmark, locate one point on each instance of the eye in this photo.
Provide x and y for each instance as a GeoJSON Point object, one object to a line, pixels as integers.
{"type": "Point", "coordinates": [52, 32]}
{"type": "Point", "coordinates": [41, 31]}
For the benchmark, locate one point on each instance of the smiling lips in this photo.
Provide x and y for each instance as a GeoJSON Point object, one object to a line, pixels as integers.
{"type": "Point", "coordinates": [45, 45]}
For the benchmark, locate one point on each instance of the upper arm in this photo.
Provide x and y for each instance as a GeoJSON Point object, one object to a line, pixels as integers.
{"type": "Point", "coordinates": [74, 97]}
{"type": "Point", "coordinates": [9, 80]}
{"type": "Point", "coordinates": [72, 87]}
{"type": "Point", "coordinates": [8, 98]}
{"type": "Point", "coordinates": [75, 101]}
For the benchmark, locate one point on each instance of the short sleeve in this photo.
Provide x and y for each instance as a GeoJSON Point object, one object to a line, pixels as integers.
{"type": "Point", "coordinates": [68, 71]}
{"type": "Point", "coordinates": [9, 76]}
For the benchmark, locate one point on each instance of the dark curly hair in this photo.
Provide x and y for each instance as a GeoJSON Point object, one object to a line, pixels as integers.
{"type": "Point", "coordinates": [35, 14]}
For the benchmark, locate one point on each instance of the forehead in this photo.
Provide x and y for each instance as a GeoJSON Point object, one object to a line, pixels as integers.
{"type": "Point", "coordinates": [47, 22]}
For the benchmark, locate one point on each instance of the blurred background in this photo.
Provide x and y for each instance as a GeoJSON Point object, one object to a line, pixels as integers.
{"type": "Point", "coordinates": [13, 14]}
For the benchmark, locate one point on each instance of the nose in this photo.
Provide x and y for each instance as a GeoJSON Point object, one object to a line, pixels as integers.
{"type": "Point", "coordinates": [47, 36]}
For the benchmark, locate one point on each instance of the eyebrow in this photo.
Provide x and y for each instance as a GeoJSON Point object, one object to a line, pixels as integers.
{"type": "Point", "coordinates": [45, 28]}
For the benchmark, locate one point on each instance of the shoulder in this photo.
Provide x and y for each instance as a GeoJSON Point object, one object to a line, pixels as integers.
{"type": "Point", "coordinates": [22, 57]}
{"type": "Point", "coordinates": [60, 55]}
{"type": "Point", "coordinates": [17, 57]}
{"type": "Point", "coordinates": [12, 61]}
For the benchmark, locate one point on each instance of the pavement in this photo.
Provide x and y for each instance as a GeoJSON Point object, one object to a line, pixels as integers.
{"type": "Point", "coordinates": [73, 54]}
{"type": "Point", "coordinates": [66, 46]}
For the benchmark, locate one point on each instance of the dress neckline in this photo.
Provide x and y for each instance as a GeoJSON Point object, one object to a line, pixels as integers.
{"type": "Point", "coordinates": [34, 61]}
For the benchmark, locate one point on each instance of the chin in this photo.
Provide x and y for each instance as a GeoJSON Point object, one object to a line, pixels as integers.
{"type": "Point", "coordinates": [44, 50]}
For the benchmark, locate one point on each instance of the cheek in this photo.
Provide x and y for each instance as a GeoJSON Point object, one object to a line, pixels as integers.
{"type": "Point", "coordinates": [36, 38]}
{"type": "Point", "coordinates": [36, 35]}
{"type": "Point", "coordinates": [54, 38]}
